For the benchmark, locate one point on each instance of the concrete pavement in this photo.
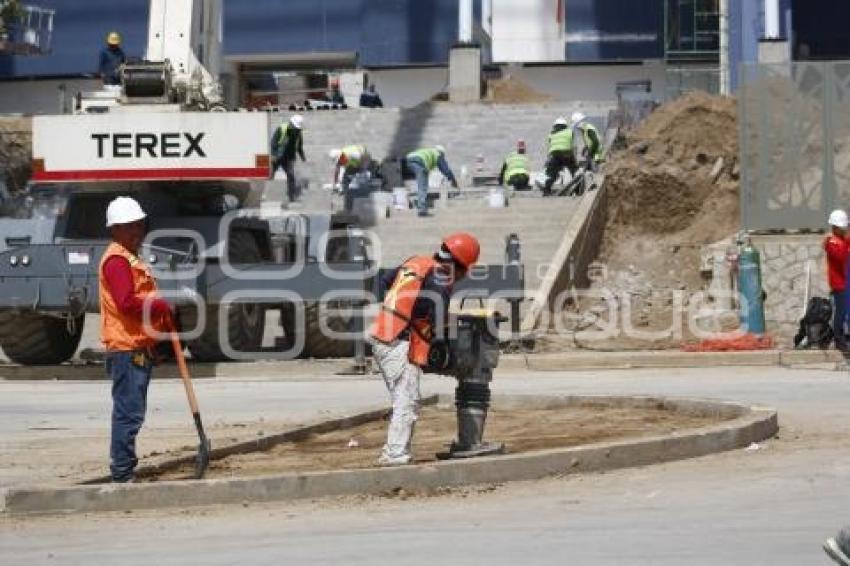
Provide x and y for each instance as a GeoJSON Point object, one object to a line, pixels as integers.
{"type": "Point", "coordinates": [767, 506]}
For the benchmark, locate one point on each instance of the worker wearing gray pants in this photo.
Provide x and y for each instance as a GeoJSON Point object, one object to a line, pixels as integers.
{"type": "Point", "coordinates": [413, 311]}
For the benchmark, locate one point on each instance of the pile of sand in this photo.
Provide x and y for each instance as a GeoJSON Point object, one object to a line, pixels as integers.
{"type": "Point", "coordinates": [513, 90]}
{"type": "Point", "coordinates": [673, 189]}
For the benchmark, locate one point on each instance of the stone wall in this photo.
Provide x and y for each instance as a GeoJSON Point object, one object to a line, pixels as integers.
{"type": "Point", "coordinates": [784, 274]}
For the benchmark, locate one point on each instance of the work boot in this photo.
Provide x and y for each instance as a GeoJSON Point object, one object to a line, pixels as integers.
{"type": "Point", "coordinates": [838, 548]}
{"type": "Point", "coordinates": [386, 459]}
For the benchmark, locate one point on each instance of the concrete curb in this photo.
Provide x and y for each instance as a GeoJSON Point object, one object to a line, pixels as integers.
{"type": "Point", "coordinates": [751, 424]}
{"type": "Point", "coordinates": [588, 360]}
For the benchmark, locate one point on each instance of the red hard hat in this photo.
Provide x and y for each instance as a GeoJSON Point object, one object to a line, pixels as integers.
{"type": "Point", "coordinates": [463, 247]}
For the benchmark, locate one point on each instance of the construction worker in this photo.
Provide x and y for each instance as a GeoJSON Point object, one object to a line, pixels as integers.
{"type": "Point", "coordinates": [414, 310]}
{"type": "Point", "coordinates": [111, 59]}
{"type": "Point", "coordinates": [560, 153]}
{"type": "Point", "coordinates": [421, 162]}
{"type": "Point", "coordinates": [515, 169]}
{"type": "Point", "coordinates": [837, 252]}
{"type": "Point", "coordinates": [286, 142]}
{"type": "Point", "coordinates": [588, 148]}
{"type": "Point", "coordinates": [127, 294]}
{"type": "Point", "coordinates": [351, 159]}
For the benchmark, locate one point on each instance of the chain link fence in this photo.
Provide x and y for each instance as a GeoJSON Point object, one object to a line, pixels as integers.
{"type": "Point", "coordinates": [794, 123]}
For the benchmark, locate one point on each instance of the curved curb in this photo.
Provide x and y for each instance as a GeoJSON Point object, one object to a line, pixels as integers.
{"type": "Point", "coordinates": [747, 425]}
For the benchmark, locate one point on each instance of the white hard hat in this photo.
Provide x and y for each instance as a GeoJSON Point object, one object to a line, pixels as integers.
{"type": "Point", "coordinates": [560, 121]}
{"type": "Point", "coordinates": [578, 117]}
{"type": "Point", "coordinates": [440, 148]}
{"type": "Point", "coordinates": [124, 210]}
{"type": "Point", "coordinates": [297, 121]}
{"type": "Point", "coordinates": [838, 218]}
{"type": "Point", "coordinates": [334, 154]}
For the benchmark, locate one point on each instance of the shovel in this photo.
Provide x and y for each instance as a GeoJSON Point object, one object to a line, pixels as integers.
{"type": "Point", "coordinates": [203, 458]}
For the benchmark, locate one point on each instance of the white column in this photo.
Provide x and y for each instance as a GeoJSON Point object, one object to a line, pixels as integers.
{"type": "Point", "coordinates": [771, 19]}
{"type": "Point", "coordinates": [724, 47]}
{"type": "Point", "coordinates": [465, 21]}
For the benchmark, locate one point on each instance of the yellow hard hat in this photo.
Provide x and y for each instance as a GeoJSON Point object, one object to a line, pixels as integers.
{"type": "Point", "coordinates": [114, 38]}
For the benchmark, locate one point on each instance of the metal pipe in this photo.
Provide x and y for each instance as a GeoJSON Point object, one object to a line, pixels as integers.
{"type": "Point", "coordinates": [771, 19]}
{"type": "Point", "coordinates": [465, 21]}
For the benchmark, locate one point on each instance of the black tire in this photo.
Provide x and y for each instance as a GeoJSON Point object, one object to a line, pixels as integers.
{"type": "Point", "coordinates": [34, 339]}
{"type": "Point", "coordinates": [245, 321]}
{"type": "Point", "coordinates": [316, 344]}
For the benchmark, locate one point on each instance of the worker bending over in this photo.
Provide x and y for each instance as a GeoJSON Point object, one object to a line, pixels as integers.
{"type": "Point", "coordinates": [588, 145]}
{"type": "Point", "coordinates": [351, 160]}
{"type": "Point", "coordinates": [414, 311]}
{"type": "Point", "coordinates": [837, 254]}
{"type": "Point", "coordinates": [127, 292]}
{"type": "Point", "coordinates": [421, 162]}
{"type": "Point", "coordinates": [560, 153]}
{"type": "Point", "coordinates": [286, 142]}
{"type": "Point", "coordinates": [515, 169]}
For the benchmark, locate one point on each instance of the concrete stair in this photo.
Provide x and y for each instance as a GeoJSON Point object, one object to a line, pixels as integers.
{"type": "Point", "coordinates": [539, 223]}
{"type": "Point", "coordinates": [466, 131]}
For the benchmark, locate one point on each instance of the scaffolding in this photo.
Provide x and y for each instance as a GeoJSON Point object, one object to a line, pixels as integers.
{"type": "Point", "coordinates": [26, 30]}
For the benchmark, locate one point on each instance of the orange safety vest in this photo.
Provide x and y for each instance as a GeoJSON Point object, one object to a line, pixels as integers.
{"type": "Point", "coordinates": [118, 331]}
{"type": "Point", "coordinates": [397, 309]}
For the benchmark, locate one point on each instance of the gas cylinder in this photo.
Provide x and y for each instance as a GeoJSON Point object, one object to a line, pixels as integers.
{"type": "Point", "coordinates": [749, 285]}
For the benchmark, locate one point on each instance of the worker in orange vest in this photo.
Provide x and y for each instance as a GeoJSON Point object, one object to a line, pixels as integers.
{"type": "Point", "coordinates": [415, 304]}
{"type": "Point", "coordinates": [127, 291]}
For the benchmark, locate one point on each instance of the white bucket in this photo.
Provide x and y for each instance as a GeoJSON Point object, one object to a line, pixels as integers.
{"type": "Point", "coordinates": [400, 198]}
{"type": "Point", "coordinates": [497, 198]}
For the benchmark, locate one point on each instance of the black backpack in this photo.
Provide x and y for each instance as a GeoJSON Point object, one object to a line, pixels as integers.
{"type": "Point", "coordinates": [815, 328]}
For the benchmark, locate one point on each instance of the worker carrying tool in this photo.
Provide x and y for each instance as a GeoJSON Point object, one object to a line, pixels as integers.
{"type": "Point", "coordinates": [288, 140]}
{"type": "Point", "coordinates": [352, 160]}
{"type": "Point", "coordinates": [111, 59]}
{"type": "Point", "coordinates": [515, 169]}
{"type": "Point", "coordinates": [588, 145]}
{"type": "Point", "coordinates": [131, 315]}
{"type": "Point", "coordinates": [414, 311]}
{"type": "Point", "coordinates": [561, 154]}
{"type": "Point", "coordinates": [421, 162]}
{"type": "Point", "coordinates": [837, 249]}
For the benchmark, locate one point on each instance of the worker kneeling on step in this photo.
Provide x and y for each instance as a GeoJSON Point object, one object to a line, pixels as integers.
{"type": "Point", "coordinates": [416, 301]}
{"type": "Point", "coordinates": [588, 144]}
{"type": "Point", "coordinates": [127, 290]}
{"type": "Point", "coordinates": [351, 160]}
{"type": "Point", "coordinates": [515, 170]}
{"type": "Point", "coordinates": [560, 153]}
{"type": "Point", "coordinates": [421, 162]}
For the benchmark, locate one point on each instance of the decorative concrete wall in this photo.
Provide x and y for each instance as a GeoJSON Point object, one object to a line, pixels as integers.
{"type": "Point", "coordinates": [784, 260]}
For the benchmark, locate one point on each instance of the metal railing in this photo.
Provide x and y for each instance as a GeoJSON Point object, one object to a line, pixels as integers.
{"type": "Point", "coordinates": [31, 33]}
{"type": "Point", "coordinates": [794, 128]}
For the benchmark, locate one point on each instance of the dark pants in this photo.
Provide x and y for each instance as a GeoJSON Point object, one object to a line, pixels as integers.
{"type": "Point", "coordinates": [421, 172]}
{"type": "Point", "coordinates": [839, 317]}
{"type": "Point", "coordinates": [288, 167]}
{"type": "Point", "coordinates": [555, 164]}
{"type": "Point", "coordinates": [129, 400]}
{"type": "Point", "coordinates": [519, 182]}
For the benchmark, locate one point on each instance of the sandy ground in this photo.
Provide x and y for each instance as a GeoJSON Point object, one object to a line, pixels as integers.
{"type": "Point", "coordinates": [521, 431]}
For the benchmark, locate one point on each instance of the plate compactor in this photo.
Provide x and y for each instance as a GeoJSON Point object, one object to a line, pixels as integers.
{"type": "Point", "coordinates": [470, 355]}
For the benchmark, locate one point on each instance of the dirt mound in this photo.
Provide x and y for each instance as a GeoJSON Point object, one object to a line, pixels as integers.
{"type": "Point", "coordinates": [512, 90]}
{"type": "Point", "coordinates": [672, 187]}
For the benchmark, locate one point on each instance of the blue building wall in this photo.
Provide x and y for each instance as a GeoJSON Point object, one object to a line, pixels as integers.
{"type": "Point", "coordinates": [383, 32]}
{"type": "Point", "coordinates": [611, 30]}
